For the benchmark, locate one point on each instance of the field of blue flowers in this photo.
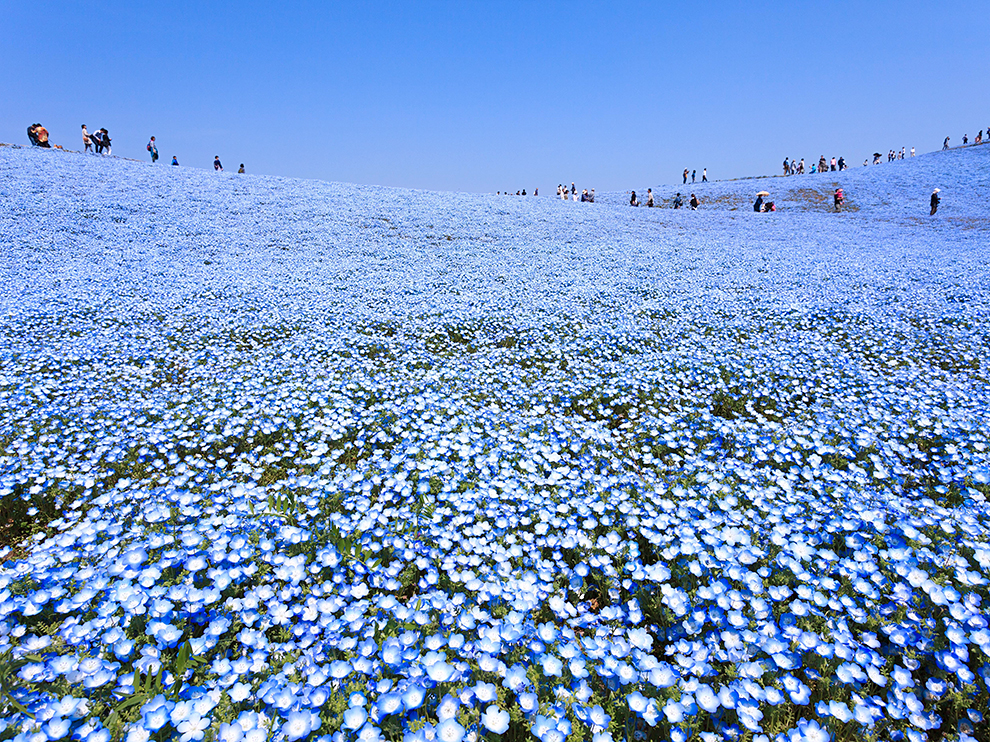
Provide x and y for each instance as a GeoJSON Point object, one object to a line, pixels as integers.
{"type": "Point", "coordinates": [294, 460]}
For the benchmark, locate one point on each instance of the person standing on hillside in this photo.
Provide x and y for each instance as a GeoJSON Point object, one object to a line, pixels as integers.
{"type": "Point", "coordinates": [240, 170]}
{"type": "Point", "coordinates": [838, 198]}
{"type": "Point", "coordinates": [945, 145]}
{"type": "Point", "coordinates": [693, 173]}
{"type": "Point", "coordinates": [216, 164]}
{"type": "Point", "coordinates": [87, 140]}
{"type": "Point", "coordinates": [649, 197]}
{"type": "Point", "coordinates": [935, 201]}
{"type": "Point", "coordinates": [633, 201]}
{"type": "Point", "coordinates": [153, 149]}
{"type": "Point", "coordinates": [912, 152]}
{"type": "Point", "coordinates": [685, 174]}
{"type": "Point", "coordinates": [694, 202]}
{"type": "Point", "coordinates": [758, 205]}
{"type": "Point", "coordinates": [704, 175]}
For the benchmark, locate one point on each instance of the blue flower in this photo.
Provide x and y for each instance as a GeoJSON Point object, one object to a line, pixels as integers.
{"type": "Point", "coordinates": [355, 717]}
{"type": "Point", "coordinates": [299, 724]}
{"type": "Point", "coordinates": [450, 730]}
{"type": "Point", "coordinates": [495, 719]}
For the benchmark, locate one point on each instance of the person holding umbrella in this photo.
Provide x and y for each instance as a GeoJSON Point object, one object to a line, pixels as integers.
{"type": "Point", "coordinates": [935, 201]}
{"type": "Point", "coordinates": [758, 206]}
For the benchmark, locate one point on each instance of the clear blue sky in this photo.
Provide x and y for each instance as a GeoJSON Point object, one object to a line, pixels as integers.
{"type": "Point", "coordinates": [486, 96]}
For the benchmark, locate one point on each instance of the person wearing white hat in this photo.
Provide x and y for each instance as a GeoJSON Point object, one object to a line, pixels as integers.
{"type": "Point", "coordinates": [935, 201]}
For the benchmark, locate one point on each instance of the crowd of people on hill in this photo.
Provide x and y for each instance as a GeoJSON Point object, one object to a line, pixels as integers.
{"type": "Point", "coordinates": [796, 167]}
{"type": "Point", "coordinates": [98, 142]}
{"type": "Point", "coordinates": [892, 155]}
{"type": "Point", "coordinates": [965, 140]}
{"type": "Point", "coordinates": [676, 203]}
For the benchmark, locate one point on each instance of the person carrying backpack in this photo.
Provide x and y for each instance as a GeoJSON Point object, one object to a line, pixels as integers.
{"type": "Point", "coordinates": [935, 201]}
{"type": "Point", "coordinates": [153, 149]}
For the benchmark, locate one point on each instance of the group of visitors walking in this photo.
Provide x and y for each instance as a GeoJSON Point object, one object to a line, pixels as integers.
{"type": "Point", "coordinates": [98, 142]}
{"type": "Point", "coordinates": [677, 202]}
{"type": "Point", "coordinates": [694, 174]}
{"type": "Point", "coordinates": [796, 167]}
{"type": "Point", "coordinates": [892, 155]}
{"type": "Point", "coordinates": [965, 139]}
{"type": "Point", "coordinates": [571, 194]}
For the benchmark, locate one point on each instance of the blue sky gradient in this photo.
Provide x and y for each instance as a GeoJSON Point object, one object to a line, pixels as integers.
{"type": "Point", "coordinates": [481, 96]}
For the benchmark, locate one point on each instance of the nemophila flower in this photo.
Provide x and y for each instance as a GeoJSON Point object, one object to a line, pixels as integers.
{"type": "Point", "coordinates": [192, 728]}
{"type": "Point", "coordinates": [413, 696]}
{"type": "Point", "coordinates": [809, 730]}
{"type": "Point", "coordinates": [355, 717]}
{"type": "Point", "coordinates": [528, 702]}
{"type": "Point", "coordinates": [449, 730]}
{"type": "Point", "coordinates": [495, 719]}
{"type": "Point", "coordinates": [157, 713]}
{"type": "Point", "coordinates": [299, 724]}
{"type": "Point", "coordinates": [447, 708]}
{"type": "Point", "coordinates": [674, 711]}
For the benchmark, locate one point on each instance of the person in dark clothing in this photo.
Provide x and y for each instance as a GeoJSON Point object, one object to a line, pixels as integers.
{"type": "Point", "coordinates": [153, 149]}
{"type": "Point", "coordinates": [38, 135]}
{"type": "Point", "coordinates": [241, 171]}
{"type": "Point", "coordinates": [935, 201]}
{"type": "Point", "coordinates": [633, 201]}
{"type": "Point", "coordinates": [102, 141]}
{"type": "Point", "coordinates": [693, 173]}
{"type": "Point", "coordinates": [685, 175]}
{"type": "Point", "coordinates": [678, 201]}
{"type": "Point", "coordinates": [175, 160]}
{"type": "Point", "coordinates": [945, 145]}
{"type": "Point", "coordinates": [216, 164]}
{"type": "Point", "coordinates": [694, 202]}
{"type": "Point", "coordinates": [842, 164]}
{"type": "Point", "coordinates": [758, 206]}
{"type": "Point", "coordinates": [838, 198]}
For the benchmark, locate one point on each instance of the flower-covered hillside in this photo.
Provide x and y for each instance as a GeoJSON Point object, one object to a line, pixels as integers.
{"type": "Point", "coordinates": [302, 460]}
{"type": "Point", "coordinates": [898, 190]}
